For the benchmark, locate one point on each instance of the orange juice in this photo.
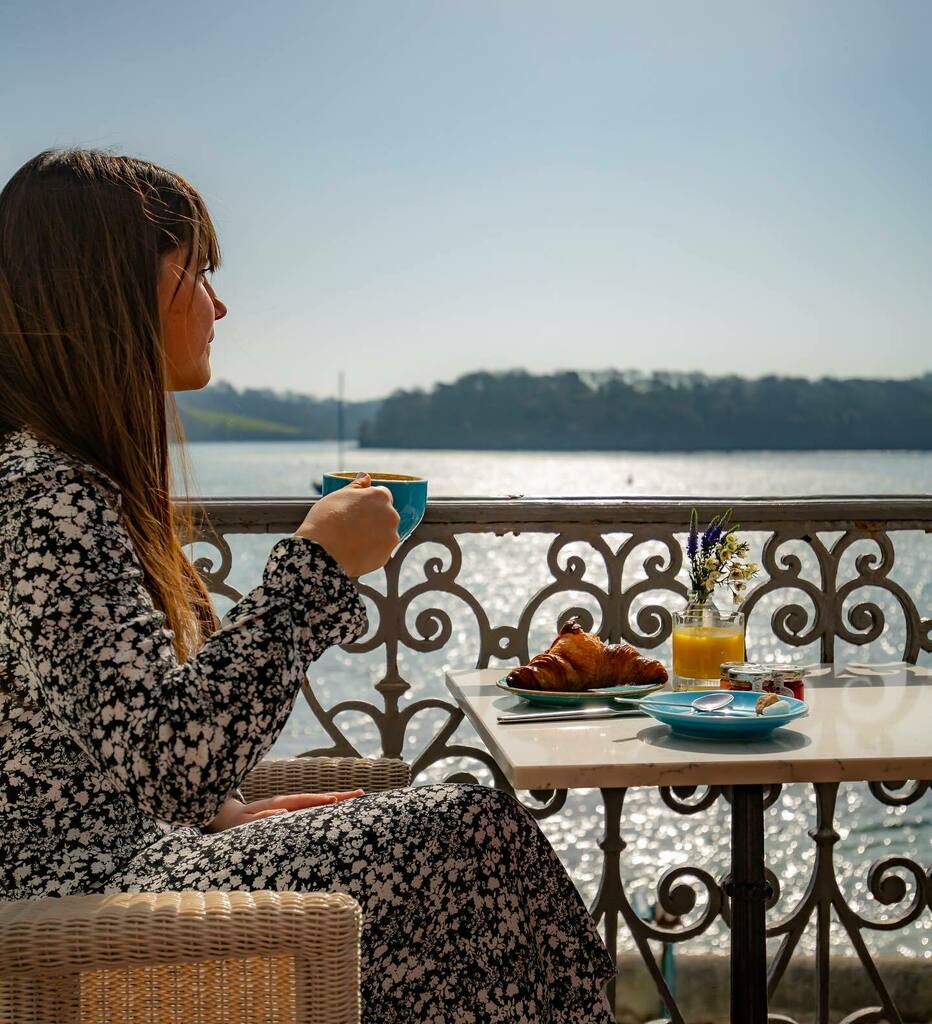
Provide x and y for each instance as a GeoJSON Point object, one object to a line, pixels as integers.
{"type": "Point", "coordinates": [698, 651]}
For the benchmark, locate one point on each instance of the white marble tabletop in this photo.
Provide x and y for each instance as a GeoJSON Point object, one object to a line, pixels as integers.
{"type": "Point", "coordinates": [865, 722]}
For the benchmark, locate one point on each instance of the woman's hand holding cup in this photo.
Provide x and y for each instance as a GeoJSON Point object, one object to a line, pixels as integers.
{"type": "Point", "coordinates": [356, 525]}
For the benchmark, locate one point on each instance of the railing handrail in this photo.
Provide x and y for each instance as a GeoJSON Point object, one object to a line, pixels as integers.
{"type": "Point", "coordinates": [831, 512]}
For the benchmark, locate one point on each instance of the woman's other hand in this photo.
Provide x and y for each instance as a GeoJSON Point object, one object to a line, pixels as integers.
{"type": "Point", "coordinates": [234, 812]}
{"type": "Point", "coordinates": [356, 525]}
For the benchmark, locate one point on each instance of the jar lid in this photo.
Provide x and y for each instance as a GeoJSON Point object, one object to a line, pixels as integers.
{"type": "Point", "coordinates": [748, 671]}
{"type": "Point", "coordinates": [744, 671]}
{"type": "Point", "coordinates": [785, 675]}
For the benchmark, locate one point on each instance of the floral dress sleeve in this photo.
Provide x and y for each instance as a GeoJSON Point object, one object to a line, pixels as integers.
{"type": "Point", "coordinates": [96, 655]}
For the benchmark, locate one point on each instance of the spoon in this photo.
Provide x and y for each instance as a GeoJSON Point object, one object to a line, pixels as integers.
{"type": "Point", "coordinates": [712, 701]}
{"type": "Point", "coordinates": [707, 702]}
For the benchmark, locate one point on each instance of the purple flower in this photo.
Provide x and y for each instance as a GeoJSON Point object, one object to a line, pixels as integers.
{"type": "Point", "coordinates": [711, 537]}
{"type": "Point", "coordinates": [692, 543]}
{"type": "Point", "coordinates": [715, 531]}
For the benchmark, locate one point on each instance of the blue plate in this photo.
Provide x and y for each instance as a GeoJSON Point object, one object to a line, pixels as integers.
{"type": "Point", "coordinates": [632, 691]}
{"type": "Point", "coordinates": [674, 709]}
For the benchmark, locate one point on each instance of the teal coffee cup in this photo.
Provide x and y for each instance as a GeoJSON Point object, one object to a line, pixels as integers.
{"type": "Point", "coordinates": [409, 494]}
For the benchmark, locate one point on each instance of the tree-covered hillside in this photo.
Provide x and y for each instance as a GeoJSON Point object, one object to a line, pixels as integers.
{"type": "Point", "coordinates": [579, 411]}
{"type": "Point", "coordinates": [221, 413]}
{"type": "Point", "coordinates": [660, 412]}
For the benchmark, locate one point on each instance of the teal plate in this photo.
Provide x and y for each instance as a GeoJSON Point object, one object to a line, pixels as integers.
{"type": "Point", "coordinates": [673, 710]}
{"type": "Point", "coordinates": [575, 700]}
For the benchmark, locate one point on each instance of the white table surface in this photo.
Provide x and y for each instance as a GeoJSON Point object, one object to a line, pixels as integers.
{"type": "Point", "coordinates": [865, 722]}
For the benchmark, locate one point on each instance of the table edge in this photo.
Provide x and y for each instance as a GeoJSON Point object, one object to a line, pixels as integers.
{"type": "Point", "coordinates": [649, 773]}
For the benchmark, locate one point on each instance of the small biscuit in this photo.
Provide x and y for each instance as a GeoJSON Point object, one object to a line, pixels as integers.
{"type": "Point", "coordinates": [765, 700]}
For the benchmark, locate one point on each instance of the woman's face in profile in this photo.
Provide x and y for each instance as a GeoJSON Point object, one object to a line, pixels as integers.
{"type": "Point", "coordinates": [188, 307]}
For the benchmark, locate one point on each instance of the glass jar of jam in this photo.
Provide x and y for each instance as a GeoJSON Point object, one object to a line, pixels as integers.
{"type": "Point", "coordinates": [759, 678]}
{"type": "Point", "coordinates": [787, 681]}
{"type": "Point", "coordinates": [743, 675]}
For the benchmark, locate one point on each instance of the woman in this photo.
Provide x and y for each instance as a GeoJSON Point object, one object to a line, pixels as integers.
{"type": "Point", "coordinates": [129, 715]}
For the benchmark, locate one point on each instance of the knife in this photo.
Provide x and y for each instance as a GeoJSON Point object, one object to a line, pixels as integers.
{"type": "Point", "coordinates": [569, 716]}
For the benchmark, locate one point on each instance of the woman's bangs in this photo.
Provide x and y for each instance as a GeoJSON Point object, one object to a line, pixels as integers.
{"type": "Point", "coordinates": [186, 225]}
{"type": "Point", "coordinates": [202, 234]}
{"type": "Point", "coordinates": [191, 230]}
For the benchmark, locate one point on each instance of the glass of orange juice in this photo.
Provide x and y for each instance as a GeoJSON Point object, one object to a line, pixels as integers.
{"type": "Point", "coordinates": [703, 638]}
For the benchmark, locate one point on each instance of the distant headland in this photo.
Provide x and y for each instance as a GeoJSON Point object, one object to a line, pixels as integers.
{"type": "Point", "coordinates": [220, 412]}
{"type": "Point", "coordinates": [575, 410]}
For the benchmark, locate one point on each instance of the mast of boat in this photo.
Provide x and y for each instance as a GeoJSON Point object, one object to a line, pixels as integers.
{"type": "Point", "coordinates": [340, 421]}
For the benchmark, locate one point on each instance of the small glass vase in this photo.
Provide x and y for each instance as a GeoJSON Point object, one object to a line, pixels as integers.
{"type": "Point", "coordinates": [704, 637]}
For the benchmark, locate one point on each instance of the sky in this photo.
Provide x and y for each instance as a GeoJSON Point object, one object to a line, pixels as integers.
{"type": "Point", "coordinates": [410, 190]}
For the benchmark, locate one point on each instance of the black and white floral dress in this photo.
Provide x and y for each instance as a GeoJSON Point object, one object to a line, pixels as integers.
{"type": "Point", "coordinates": [112, 754]}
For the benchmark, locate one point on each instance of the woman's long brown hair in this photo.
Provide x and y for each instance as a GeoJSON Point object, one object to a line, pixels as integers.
{"type": "Point", "coordinates": [81, 238]}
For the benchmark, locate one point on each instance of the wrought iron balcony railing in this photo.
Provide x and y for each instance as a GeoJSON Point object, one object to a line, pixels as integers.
{"type": "Point", "coordinates": [486, 580]}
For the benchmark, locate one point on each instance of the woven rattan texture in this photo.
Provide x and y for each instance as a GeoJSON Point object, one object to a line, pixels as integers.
{"type": "Point", "coordinates": [259, 989]}
{"type": "Point", "coordinates": [198, 958]}
{"type": "Point", "coordinates": [324, 774]}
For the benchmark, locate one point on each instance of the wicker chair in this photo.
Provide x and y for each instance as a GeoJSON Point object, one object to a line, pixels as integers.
{"type": "Point", "coordinates": [259, 957]}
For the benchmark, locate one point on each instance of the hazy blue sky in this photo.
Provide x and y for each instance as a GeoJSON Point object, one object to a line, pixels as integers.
{"type": "Point", "coordinates": [412, 190]}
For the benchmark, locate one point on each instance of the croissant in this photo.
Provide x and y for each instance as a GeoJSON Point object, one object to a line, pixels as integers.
{"type": "Point", "coordinates": [577, 661]}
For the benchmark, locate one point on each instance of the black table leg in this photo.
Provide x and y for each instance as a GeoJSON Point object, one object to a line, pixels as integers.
{"type": "Point", "coordinates": [749, 890]}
